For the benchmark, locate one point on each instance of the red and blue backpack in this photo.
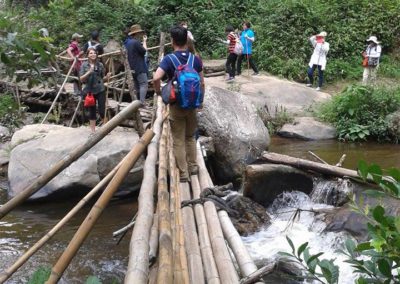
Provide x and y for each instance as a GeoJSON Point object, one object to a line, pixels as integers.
{"type": "Point", "coordinates": [186, 83]}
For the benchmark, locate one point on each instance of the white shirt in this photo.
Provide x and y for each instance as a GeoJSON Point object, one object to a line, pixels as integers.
{"type": "Point", "coordinates": [319, 55]}
{"type": "Point", "coordinates": [374, 51]}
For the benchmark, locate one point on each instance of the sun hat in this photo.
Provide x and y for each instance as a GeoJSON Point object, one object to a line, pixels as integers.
{"type": "Point", "coordinates": [135, 29]}
{"type": "Point", "coordinates": [76, 35]}
{"type": "Point", "coordinates": [323, 34]}
{"type": "Point", "coordinates": [373, 38]}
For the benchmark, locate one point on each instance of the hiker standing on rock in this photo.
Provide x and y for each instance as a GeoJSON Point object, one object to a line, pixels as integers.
{"type": "Point", "coordinates": [94, 42]}
{"type": "Point", "coordinates": [92, 75]}
{"type": "Point", "coordinates": [371, 60]}
{"type": "Point", "coordinates": [136, 56]}
{"type": "Point", "coordinates": [318, 59]}
{"type": "Point", "coordinates": [74, 53]}
{"type": "Point", "coordinates": [182, 113]}
{"type": "Point", "coordinates": [247, 38]}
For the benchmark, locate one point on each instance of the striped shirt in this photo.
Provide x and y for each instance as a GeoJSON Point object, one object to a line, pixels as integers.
{"type": "Point", "coordinates": [232, 41]}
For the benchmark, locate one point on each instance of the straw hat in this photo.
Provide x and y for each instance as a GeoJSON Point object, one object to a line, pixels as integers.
{"type": "Point", "coordinates": [135, 29]}
{"type": "Point", "coordinates": [373, 39]}
{"type": "Point", "coordinates": [323, 34]}
{"type": "Point", "coordinates": [76, 35]}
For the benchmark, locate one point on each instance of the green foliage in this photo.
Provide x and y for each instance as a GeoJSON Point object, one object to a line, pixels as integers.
{"type": "Point", "coordinates": [10, 115]}
{"type": "Point", "coordinates": [40, 276]}
{"type": "Point", "coordinates": [378, 260]}
{"type": "Point", "coordinates": [21, 49]}
{"type": "Point", "coordinates": [274, 123]}
{"type": "Point", "coordinates": [316, 269]}
{"type": "Point", "coordinates": [93, 280]}
{"type": "Point", "coordinates": [359, 112]}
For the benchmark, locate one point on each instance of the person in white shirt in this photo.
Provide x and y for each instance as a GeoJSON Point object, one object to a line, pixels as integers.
{"type": "Point", "coordinates": [318, 59]}
{"type": "Point", "coordinates": [371, 63]}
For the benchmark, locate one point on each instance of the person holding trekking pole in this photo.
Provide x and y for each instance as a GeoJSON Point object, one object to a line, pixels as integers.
{"type": "Point", "coordinates": [247, 38]}
{"type": "Point", "coordinates": [318, 59]}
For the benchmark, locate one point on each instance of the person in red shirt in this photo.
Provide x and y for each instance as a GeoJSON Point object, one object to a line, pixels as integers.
{"type": "Point", "coordinates": [230, 65]}
{"type": "Point", "coordinates": [74, 53]}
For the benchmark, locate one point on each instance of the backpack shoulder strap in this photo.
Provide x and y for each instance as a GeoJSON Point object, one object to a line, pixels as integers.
{"type": "Point", "coordinates": [190, 60]}
{"type": "Point", "coordinates": [174, 60]}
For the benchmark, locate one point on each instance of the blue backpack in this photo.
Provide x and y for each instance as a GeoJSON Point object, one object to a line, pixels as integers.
{"type": "Point", "coordinates": [186, 83]}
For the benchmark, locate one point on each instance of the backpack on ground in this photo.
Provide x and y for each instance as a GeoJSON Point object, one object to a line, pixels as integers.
{"type": "Point", "coordinates": [185, 86]}
{"type": "Point", "coordinates": [238, 50]}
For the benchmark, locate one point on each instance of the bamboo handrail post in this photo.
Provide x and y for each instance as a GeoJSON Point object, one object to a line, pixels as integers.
{"type": "Point", "coordinates": [97, 209]}
{"type": "Point", "coordinates": [22, 259]}
{"type": "Point", "coordinates": [75, 112]}
{"type": "Point", "coordinates": [138, 265]}
{"type": "Point", "coordinates": [59, 166]}
{"type": "Point", "coordinates": [59, 91]}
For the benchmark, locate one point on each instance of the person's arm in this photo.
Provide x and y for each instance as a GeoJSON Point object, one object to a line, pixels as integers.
{"type": "Point", "coordinates": [84, 73]}
{"type": "Point", "coordinates": [140, 48]}
{"type": "Point", "coordinates": [313, 40]}
{"type": "Point", "coordinates": [145, 42]}
{"type": "Point", "coordinates": [70, 54]}
{"type": "Point", "coordinates": [376, 53]}
{"type": "Point", "coordinates": [158, 75]}
{"type": "Point", "coordinates": [250, 36]}
{"type": "Point", "coordinates": [325, 47]}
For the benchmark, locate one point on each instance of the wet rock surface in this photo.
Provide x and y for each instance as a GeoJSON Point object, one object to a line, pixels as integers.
{"type": "Point", "coordinates": [250, 216]}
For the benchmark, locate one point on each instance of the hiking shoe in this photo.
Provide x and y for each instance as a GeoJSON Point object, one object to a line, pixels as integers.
{"type": "Point", "coordinates": [230, 79]}
{"type": "Point", "coordinates": [318, 89]}
{"type": "Point", "coordinates": [309, 85]}
{"type": "Point", "coordinates": [255, 74]}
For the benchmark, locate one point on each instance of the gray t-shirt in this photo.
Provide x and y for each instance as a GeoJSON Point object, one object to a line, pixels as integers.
{"type": "Point", "coordinates": [94, 83]}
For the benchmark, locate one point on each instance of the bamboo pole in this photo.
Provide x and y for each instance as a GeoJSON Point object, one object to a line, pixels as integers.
{"type": "Point", "coordinates": [22, 259]}
{"type": "Point", "coordinates": [165, 274]}
{"type": "Point", "coordinates": [210, 267]}
{"type": "Point", "coordinates": [59, 91]}
{"type": "Point", "coordinates": [75, 112]}
{"type": "Point", "coordinates": [68, 159]}
{"type": "Point", "coordinates": [193, 254]}
{"type": "Point", "coordinates": [226, 268]}
{"type": "Point", "coordinates": [308, 165]}
{"type": "Point", "coordinates": [181, 271]}
{"type": "Point", "coordinates": [256, 276]}
{"type": "Point", "coordinates": [138, 266]}
{"type": "Point", "coordinates": [153, 243]}
{"type": "Point", "coordinates": [98, 208]}
{"type": "Point", "coordinates": [162, 45]}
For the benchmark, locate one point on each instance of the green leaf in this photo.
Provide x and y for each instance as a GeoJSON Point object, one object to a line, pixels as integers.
{"type": "Point", "coordinates": [350, 246]}
{"type": "Point", "coordinates": [363, 246]}
{"type": "Point", "coordinates": [376, 173]}
{"type": "Point", "coordinates": [363, 169]}
{"type": "Point", "coordinates": [397, 224]}
{"type": "Point", "coordinates": [291, 244]}
{"type": "Point", "coordinates": [394, 173]}
{"type": "Point", "coordinates": [301, 249]}
{"type": "Point", "coordinates": [4, 58]}
{"type": "Point", "coordinates": [93, 280]}
{"type": "Point", "coordinates": [374, 193]}
{"type": "Point", "coordinates": [384, 267]}
{"type": "Point", "coordinates": [379, 214]}
{"type": "Point", "coordinates": [314, 257]}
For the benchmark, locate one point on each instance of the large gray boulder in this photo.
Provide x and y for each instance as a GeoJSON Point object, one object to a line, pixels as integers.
{"type": "Point", "coordinates": [38, 147]}
{"type": "Point", "coordinates": [274, 93]}
{"type": "Point", "coordinates": [238, 133]}
{"type": "Point", "coordinates": [307, 128]}
{"type": "Point", "coordinates": [393, 121]}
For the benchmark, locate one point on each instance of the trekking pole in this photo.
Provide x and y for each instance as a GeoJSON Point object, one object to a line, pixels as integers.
{"type": "Point", "coordinates": [247, 56]}
{"type": "Point", "coordinates": [75, 112]}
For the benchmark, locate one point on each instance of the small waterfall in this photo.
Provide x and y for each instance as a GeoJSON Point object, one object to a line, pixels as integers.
{"type": "Point", "coordinates": [332, 192]}
{"type": "Point", "coordinates": [266, 243]}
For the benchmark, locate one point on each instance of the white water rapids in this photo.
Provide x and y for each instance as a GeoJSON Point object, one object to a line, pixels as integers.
{"type": "Point", "coordinates": [266, 243]}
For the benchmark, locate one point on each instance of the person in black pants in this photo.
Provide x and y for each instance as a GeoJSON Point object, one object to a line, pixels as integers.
{"type": "Point", "coordinates": [231, 60]}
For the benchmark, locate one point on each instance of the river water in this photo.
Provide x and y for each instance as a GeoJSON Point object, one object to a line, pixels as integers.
{"type": "Point", "coordinates": [100, 256]}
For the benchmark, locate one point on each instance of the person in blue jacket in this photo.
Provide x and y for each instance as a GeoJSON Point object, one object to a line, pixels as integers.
{"type": "Point", "coordinates": [247, 38]}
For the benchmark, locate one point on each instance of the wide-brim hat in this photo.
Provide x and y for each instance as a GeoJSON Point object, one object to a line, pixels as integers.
{"type": "Point", "coordinates": [76, 35]}
{"type": "Point", "coordinates": [323, 34]}
{"type": "Point", "coordinates": [373, 39]}
{"type": "Point", "coordinates": [135, 29]}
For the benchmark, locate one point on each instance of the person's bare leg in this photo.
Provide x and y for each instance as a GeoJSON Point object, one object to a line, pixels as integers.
{"type": "Point", "coordinates": [92, 125]}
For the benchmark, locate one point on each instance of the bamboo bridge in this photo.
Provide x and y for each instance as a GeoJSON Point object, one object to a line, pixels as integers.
{"type": "Point", "coordinates": [170, 243]}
